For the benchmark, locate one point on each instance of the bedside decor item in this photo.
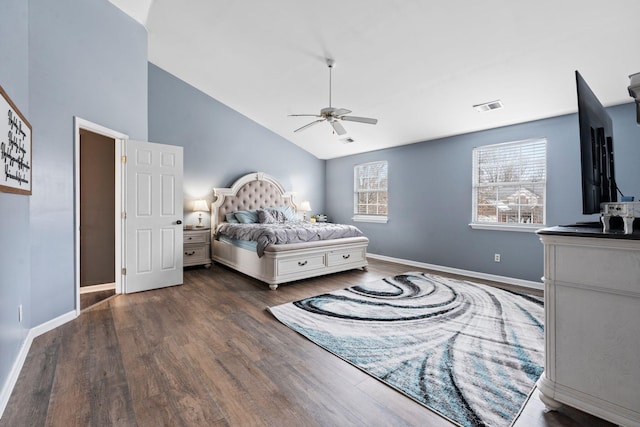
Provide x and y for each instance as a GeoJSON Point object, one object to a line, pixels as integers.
{"type": "Point", "coordinates": [305, 206]}
{"type": "Point", "coordinates": [15, 153]}
{"type": "Point", "coordinates": [468, 351]}
{"type": "Point", "coordinates": [200, 206]}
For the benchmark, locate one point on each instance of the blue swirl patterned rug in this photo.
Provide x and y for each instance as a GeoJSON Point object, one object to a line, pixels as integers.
{"type": "Point", "coordinates": [468, 351]}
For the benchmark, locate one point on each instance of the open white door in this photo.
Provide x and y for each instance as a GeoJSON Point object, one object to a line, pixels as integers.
{"type": "Point", "coordinates": [153, 216]}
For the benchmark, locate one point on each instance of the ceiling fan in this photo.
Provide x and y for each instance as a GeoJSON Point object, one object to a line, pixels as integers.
{"type": "Point", "coordinates": [333, 115]}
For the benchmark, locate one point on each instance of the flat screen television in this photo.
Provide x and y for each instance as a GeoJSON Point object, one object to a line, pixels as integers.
{"type": "Point", "coordinates": [596, 150]}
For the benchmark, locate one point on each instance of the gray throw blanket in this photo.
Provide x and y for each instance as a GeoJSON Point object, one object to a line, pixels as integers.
{"type": "Point", "coordinates": [289, 232]}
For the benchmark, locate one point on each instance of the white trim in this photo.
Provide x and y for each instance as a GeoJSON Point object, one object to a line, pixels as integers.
{"type": "Point", "coordinates": [97, 288]}
{"type": "Point", "coordinates": [507, 227]}
{"type": "Point", "coordinates": [119, 139]}
{"type": "Point", "coordinates": [379, 219]}
{"type": "Point", "coordinates": [475, 274]}
{"type": "Point", "coordinates": [12, 379]}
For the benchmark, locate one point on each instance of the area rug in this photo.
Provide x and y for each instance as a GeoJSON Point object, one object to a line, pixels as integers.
{"type": "Point", "coordinates": [468, 351]}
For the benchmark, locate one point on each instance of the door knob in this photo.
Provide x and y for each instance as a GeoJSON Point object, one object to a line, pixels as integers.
{"type": "Point", "coordinates": [178, 222]}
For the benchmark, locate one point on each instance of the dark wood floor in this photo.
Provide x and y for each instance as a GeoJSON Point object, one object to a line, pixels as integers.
{"type": "Point", "coordinates": [92, 298]}
{"type": "Point", "coordinates": [207, 353]}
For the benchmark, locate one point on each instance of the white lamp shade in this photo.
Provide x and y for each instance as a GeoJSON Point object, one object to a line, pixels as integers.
{"type": "Point", "coordinates": [305, 206]}
{"type": "Point", "coordinates": [200, 206]}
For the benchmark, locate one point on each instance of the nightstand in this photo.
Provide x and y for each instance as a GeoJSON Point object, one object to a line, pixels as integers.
{"type": "Point", "coordinates": [197, 247]}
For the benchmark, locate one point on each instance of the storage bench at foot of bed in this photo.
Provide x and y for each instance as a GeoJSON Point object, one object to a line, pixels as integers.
{"type": "Point", "coordinates": [295, 261]}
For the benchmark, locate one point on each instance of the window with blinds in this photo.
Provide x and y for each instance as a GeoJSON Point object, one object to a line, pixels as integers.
{"type": "Point", "coordinates": [370, 192]}
{"type": "Point", "coordinates": [509, 184]}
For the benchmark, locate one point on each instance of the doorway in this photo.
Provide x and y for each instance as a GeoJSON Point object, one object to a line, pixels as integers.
{"type": "Point", "coordinates": [150, 235]}
{"type": "Point", "coordinates": [97, 223]}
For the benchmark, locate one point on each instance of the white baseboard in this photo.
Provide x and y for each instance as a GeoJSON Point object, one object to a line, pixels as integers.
{"type": "Point", "coordinates": [97, 288]}
{"type": "Point", "coordinates": [478, 275]}
{"type": "Point", "coordinates": [10, 383]}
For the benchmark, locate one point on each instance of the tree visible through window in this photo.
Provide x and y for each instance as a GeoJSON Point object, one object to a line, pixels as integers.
{"type": "Point", "coordinates": [509, 183]}
{"type": "Point", "coordinates": [370, 191]}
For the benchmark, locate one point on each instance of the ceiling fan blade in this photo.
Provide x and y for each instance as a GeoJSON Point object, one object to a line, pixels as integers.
{"type": "Point", "coordinates": [308, 125]}
{"type": "Point", "coordinates": [359, 119]}
{"type": "Point", "coordinates": [341, 112]}
{"type": "Point", "coordinates": [338, 127]}
{"type": "Point", "coordinates": [304, 115]}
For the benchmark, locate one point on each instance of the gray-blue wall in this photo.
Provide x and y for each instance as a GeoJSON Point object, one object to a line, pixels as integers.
{"type": "Point", "coordinates": [15, 265]}
{"type": "Point", "coordinates": [58, 60]}
{"type": "Point", "coordinates": [88, 59]}
{"type": "Point", "coordinates": [221, 144]}
{"type": "Point", "coordinates": [430, 195]}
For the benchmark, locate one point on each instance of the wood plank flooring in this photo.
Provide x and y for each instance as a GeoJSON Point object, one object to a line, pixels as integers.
{"type": "Point", "coordinates": [207, 353]}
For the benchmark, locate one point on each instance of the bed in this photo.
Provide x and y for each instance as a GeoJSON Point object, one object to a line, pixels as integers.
{"type": "Point", "coordinates": [279, 262]}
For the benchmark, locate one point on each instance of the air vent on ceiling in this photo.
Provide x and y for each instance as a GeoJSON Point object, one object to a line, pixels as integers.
{"type": "Point", "coordinates": [347, 140]}
{"type": "Point", "coordinates": [488, 106]}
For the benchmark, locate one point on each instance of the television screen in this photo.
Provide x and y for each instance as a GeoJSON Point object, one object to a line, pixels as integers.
{"type": "Point", "coordinates": [596, 150]}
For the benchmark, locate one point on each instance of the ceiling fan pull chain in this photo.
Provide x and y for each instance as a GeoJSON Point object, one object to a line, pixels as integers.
{"type": "Point", "coordinates": [330, 69]}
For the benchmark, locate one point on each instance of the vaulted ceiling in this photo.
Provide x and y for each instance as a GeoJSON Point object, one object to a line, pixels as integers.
{"type": "Point", "coordinates": [418, 66]}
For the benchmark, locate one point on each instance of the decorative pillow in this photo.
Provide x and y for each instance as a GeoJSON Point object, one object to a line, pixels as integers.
{"type": "Point", "coordinates": [290, 214]}
{"type": "Point", "coordinates": [247, 217]}
{"type": "Point", "coordinates": [279, 216]}
{"type": "Point", "coordinates": [231, 218]}
{"type": "Point", "coordinates": [265, 217]}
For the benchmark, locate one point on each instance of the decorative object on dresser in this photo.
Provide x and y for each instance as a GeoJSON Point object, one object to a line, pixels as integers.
{"type": "Point", "coordinates": [279, 262]}
{"type": "Point", "coordinates": [200, 206]}
{"type": "Point", "coordinates": [197, 247]}
{"type": "Point", "coordinates": [468, 351]}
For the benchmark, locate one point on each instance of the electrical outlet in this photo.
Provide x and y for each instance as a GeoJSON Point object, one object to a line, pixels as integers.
{"type": "Point", "coordinates": [20, 313]}
{"type": "Point", "coordinates": [496, 257]}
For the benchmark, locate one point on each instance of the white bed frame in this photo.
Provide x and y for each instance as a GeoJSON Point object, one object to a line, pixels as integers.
{"type": "Point", "coordinates": [280, 263]}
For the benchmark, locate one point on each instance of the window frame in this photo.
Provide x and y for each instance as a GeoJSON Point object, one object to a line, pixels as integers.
{"type": "Point", "coordinates": [374, 218]}
{"type": "Point", "coordinates": [476, 185]}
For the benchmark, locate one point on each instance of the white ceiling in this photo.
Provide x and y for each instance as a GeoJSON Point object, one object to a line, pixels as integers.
{"type": "Point", "coordinates": [418, 66]}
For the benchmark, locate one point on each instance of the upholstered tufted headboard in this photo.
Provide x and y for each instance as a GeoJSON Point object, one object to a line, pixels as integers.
{"type": "Point", "coordinates": [253, 191]}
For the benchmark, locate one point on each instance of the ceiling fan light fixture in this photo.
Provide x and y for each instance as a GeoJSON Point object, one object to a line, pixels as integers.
{"type": "Point", "coordinates": [333, 115]}
{"type": "Point", "coordinates": [488, 106]}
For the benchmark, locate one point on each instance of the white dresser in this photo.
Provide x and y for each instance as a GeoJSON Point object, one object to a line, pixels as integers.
{"type": "Point", "coordinates": [592, 322]}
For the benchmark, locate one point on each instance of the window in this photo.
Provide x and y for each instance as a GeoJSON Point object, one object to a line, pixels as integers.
{"type": "Point", "coordinates": [509, 185]}
{"type": "Point", "coordinates": [370, 184]}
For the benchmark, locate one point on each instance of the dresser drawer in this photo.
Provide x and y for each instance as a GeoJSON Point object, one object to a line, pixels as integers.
{"type": "Point", "coordinates": [298, 264]}
{"type": "Point", "coordinates": [196, 237]}
{"type": "Point", "coordinates": [345, 257]}
{"type": "Point", "coordinates": [196, 255]}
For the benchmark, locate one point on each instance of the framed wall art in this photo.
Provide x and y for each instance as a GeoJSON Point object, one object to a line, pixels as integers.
{"type": "Point", "coordinates": [15, 148]}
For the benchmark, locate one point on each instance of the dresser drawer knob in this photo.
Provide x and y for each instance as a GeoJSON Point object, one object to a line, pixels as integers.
{"type": "Point", "coordinates": [302, 263]}
{"type": "Point", "coordinates": [347, 256]}
{"type": "Point", "coordinates": [190, 253]}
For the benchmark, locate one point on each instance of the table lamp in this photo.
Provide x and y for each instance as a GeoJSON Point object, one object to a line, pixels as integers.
{"type": "Point", "coordinates": [200, 206]}
{"type": "Point", "coordinates": [305, 206]}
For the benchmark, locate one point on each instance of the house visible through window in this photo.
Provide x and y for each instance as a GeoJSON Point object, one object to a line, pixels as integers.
{"type": "Point", "coordinates": [509, 185]}
{"type": "Point", "coordinates": [370, 197]}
